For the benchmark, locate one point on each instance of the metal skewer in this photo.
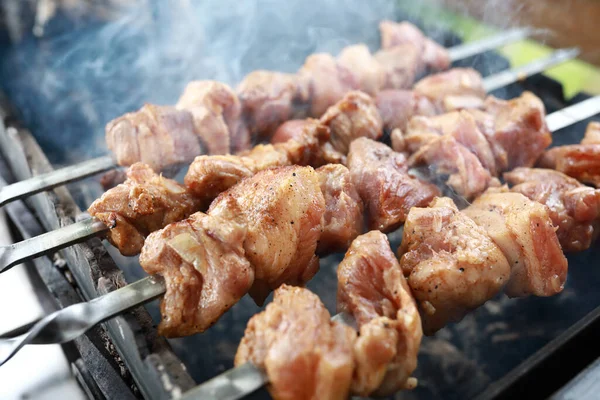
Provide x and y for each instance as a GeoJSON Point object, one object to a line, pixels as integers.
{"type": "Point", "coordinates": [82, 170]}
{"type": "Point", "coordinates": [80, 231]}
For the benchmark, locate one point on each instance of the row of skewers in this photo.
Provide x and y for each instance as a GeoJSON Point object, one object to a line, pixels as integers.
{"type": "Point", "coordinates": [270, 214]}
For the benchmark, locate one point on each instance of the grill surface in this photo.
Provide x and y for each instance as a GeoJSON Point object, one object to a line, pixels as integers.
{"type": "Point", "coordinates": [461, 361]}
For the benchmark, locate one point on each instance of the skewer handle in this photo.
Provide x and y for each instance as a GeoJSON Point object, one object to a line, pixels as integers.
{"type": "Point", "coordinates": [504, 78]}
{"type": "Point", "coordinates": [489, 43]}
{"type": "Point", "coordinates": [55, 178]}
{"type": "Point", "coordinates": [13, 254]}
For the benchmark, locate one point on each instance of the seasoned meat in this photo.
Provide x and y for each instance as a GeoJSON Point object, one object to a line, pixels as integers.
{"type": "Point", "coordinates": [367, 70]}
{"type": "Point", "coordinates": [372, 289]}
{"type": "Point", "coordinates": [305, 355]}
{"type": "Point", "coordinates": [311, 138]}
{"type": "Point", "coordinates": [208, 176]}
{"type": "Point", "coordinates": [519, 128]}
{"type": "Point", "coordinates": [267, 100]}
{"type": "Point", "coordinates": [144, 203]}
{"type": "Point", "coordinates": [343, 218]}
{"type": "Point", "coordinates": [327, 82]}
{"type": "Point", "coordinates": [574, 208]}
{"type": "Point", "coordinates": [202, 260]}
{"type": "Point", "coordinates": [158, 136]}
{"type": "Point", "coordinates": [447, 156]}
{"type": "Point", "coordinates": [354, 116]}
{"type": "Point", "coordinates": [282, 210]}
{"type": "Point", "coordinates": [451, 264]}
{"type": "Point", "coordinates": [394, 34]}
{"type": "Point", "coordinates": [580, 161]}
{"type": "Point", "coordinates": [592, 133]}
{"type": "Point", "coordinates": [459, 124]}
{"type": "Point", "coordinates": [455, 83]}
{"type": "Point", "coordinates": [401, 65]}
{"type": "Point", "coordinates": [396, 107]}
{"type": "Point", "coordinates": [216, 111]}
{"type": "Point", "coordinates": [387, 191]}
{"type": "Point", "coordinates": [524, 231]}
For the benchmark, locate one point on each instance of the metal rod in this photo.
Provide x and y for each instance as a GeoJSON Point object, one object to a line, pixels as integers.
{"type": "Point", "coordinates": [16, 253]}
{"type": "Point", "coordinates": [504, 78]}
{"type": "Point", "coordinates": [67, 324]}
{"type": "Point", "coordinates": [56, 178]}
{"type": "Point", "coordinates": [573, 114]}
{"type": "Point", "coordinates": [501, 39]}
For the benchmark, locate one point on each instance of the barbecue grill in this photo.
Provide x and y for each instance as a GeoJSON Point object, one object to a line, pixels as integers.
{"type": "Point", "coordinates": [527, 347]}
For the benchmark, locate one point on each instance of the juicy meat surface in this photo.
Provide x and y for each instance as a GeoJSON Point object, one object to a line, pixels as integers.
{"type": "Point", "coordinates": [459, 124]}
{"type": "Point", "coordinates": [282, 210]}
{"type": "Point", "coordinates": [372, 288]}
{"type": "Point", "coordinates": [159, 136]}
{"type": "Point", "coordinates": [327, 82]}
{"type": "Point", "coordinates": [354, 116]}
{"type": "Point", "coordinates": [268, 100]}
{"type": "Point", "coordinates": [384, 185]}
{"type": "Point", "coordinates": [202, 261]}
{"type": "Point", "coordinates": [574, 208]}
{"type": "Point", "coordinates": [216, 111]}
{"type": "Point", "coordinates": [451, 264]}
{"type": "Point", "coordinates": [455, 83]}
{"type": "Point", "coordinates": [394, 34]}
{"type": "Point", "coordinates": [447, 156]}
{"type": "Point", "coordinates": [592, 133]}
{"type": "Point", "coordinates": [367, 70]}
{"type": "Point", "coordinates": [208, 176]}
{"type": "Point", "coordinates": [305, 132]}
{"type": "Point", "coordinates": [144, 203]}
{"type": "Point", "coordinates": [396, 107]}
{"type": "Point", "coordinates": [401, 65]}
{"type": "Point", "coordinates": [343, 218]}
{"type": "Point", "coordinates": [519, 128]}
{"type": "Point", "coordinates": [524, 231]}
{"type": "Point", "coordinates": [305, 355]}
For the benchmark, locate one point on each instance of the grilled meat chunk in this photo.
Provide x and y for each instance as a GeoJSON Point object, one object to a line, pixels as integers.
{"type": "Point", "coordinates": [367, 70]}
{"type": "Point", "coordinates": [268, 99]}
{"type": "Point", "coordinates": [373, 290]}
{"type": "Point", "coordinates": [327, 82]}
{"type": "Point", "coordinates": [580, 161]}
{"type": "Point", "coordinates": [382, 181]}
{"type": "Point", "coordinates": [306, 356]}
{"type": "Point", "coordinates": [202, 260]}
{"type": "Point", "coordinates": [396, 107]}
{"type": "Point", "coordinates": [354, 116]}
{"type": "Point", "coordinates": [159, 136]}
{"type": "Point", "coordinates": [401, 65]}
{"type": "Point", "coordinates": [216, 111]}
{"type": "Point", "coordinates": [524, 231]}
{"type": "Point", "coordinates": [305, 132]}
{"type": "Point", "coordinates": [394, 34]}
{"type": "Point", "coordinates": [447, 156]}
{"type": "Point", "coordinates": [520, 130]}
{"type": "Point", "coordinates": [448, 87]}
{"type": "Point", "coordinates": [144, 203]}
{"type": "Point", "coordinates": [574, 208]}
{"type": "Point", "coordinates": [451, 264]}
{"type": "Point", "coordinates": [343, 218]}
{"type": "Point", "coordinates": [208, 176]}
{"type": "Point", "coordinates": [282, 210]}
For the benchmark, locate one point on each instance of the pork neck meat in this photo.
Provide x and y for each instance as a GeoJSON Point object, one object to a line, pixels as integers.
{"type": "Point", "coordinates": [144, 203]}
{"type": "Point", "coordinates": [305, 355]}
{"type": "Point", "coordinates": [451, 264]}
{"type": "Point", "coordinates": [373, 290]}
{"type": "Point", "coordinates": [523, 229]}
{"type": "Point", "coordinates": [369, 73]}
{"type": "Point", "coordinates": [574, 207]}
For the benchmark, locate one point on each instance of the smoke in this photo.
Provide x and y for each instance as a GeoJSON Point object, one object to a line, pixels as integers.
{"type": "Point", "coordinates": [77, 77]}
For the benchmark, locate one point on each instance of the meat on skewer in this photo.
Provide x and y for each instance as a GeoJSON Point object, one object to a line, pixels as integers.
{"type": "Point", "coordinates": [373, 290]}
{"type": "Point", "coordinates": [574, 207]}
{"type": "Point", "coordinates": [144, 203]}
{"type": "Point", "coordinates": [580, 161]}
{"type": "Point", "coordinates": [303, 352]}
